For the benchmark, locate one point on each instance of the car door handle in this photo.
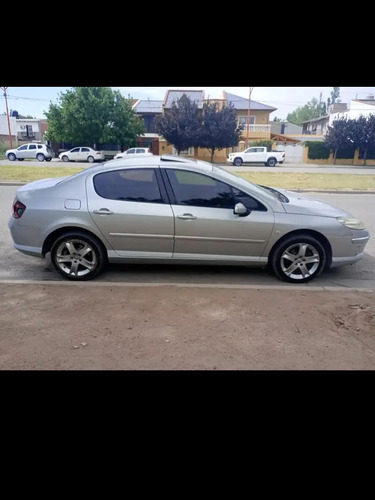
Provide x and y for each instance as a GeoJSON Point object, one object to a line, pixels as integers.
{"type": "Point", "coordinates": [187, 217]}
{"type": "Point", "coordinates": [103, 211]}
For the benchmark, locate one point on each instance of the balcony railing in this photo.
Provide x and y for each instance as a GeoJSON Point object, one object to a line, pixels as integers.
{"type": "Point", "coordinates": [258, 128]}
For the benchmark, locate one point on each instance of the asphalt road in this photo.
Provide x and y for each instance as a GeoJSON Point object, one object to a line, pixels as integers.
{"type": "Point", "coordinates": [16, 267]}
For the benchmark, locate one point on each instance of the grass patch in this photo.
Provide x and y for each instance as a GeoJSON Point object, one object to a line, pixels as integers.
{"type": "Point", "coordinates": [16, 173]}
{"type": "Point", "coordinates": [329, 182]}
{"type": "Point", "coordinates": [318, 181]}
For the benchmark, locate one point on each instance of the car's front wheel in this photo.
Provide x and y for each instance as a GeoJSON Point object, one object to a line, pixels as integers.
{"type": "Point", "coordinates": [40, 157]}
{"type": "Point", "coordinates": [237, 162]}
{"type": "Point", "coordinates": [48, 159]}
{"type": "Point", "coordinates": [78, 256]}
{"type": "Point", "coordinates": [12, 157]}
{"type": "Point", "coordinates": [65, 158]}
{"type": "Point", "coordinates": [90, 159]}
{"type": "Point", "coordinates": [298, 259]}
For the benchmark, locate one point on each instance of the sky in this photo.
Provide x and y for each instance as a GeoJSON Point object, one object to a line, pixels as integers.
{"type": "Point", "coordinates": [35, 100]}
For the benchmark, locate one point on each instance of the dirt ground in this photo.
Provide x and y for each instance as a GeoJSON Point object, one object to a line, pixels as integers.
{"type": "Point", "coordinates": [55, 327]}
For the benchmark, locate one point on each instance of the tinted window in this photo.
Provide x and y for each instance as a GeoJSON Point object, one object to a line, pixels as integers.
{"type": "Point", "coordinates": [85, 150]}
{"type": "Point", "coordinates": [40, 146]}
{"type": "Point", "coordinates": [22, 148]}
{"type": "Point", "coordinates": [249, 202]}
{"type": "Point", "coordinates": [200, 190]}
{"type": "Point", "coordinates": [75, 150]}
{"type": "Point", "coordinates": [128, 185]}
{"type": "Point", "coordinates": [130, 151]}
{"type": "Point", "coordinates": [140, 150]}
{"type": "Point", "coordinates": [32, 146]}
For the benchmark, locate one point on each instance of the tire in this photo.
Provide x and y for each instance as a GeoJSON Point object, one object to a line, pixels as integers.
{"type": "Point", "coordinates": [48, 159]}
{"type": "Point", "coordinates": [90, 159]}
{"type": "Point", "coordinates": [298, 259]}
{"type": "Point", "coordinates": [272, 162]}
{"type": "Point", "coordinates": [65, 159]}
{"type": "Point", "coordinates": [78, 256]}
{"type": "Point", "coordinates": [40, 157]}
{"type": "Point", "coordinates": [237, 162]}
{"type": "Point", "coordinates": [21, 159]}
{"type": "Point", "coordinates": [12, 157]}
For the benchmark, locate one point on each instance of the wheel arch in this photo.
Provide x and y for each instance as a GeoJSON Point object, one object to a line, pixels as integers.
{"type": "Point", "coordinates": [308, 232]}
{"type": "Point", "coordinates": [52, 237]}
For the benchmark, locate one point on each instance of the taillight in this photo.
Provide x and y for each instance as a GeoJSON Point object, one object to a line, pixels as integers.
{"type": "Point", "coordinates": [18, 209]}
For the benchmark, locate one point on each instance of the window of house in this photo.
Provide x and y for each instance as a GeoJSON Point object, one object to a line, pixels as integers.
{"type": "Point", "coordinates": [242, 120]}
{"type": "Point", "coordinates": [139, 185]}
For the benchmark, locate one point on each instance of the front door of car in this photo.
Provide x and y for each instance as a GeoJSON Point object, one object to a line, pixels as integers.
{"type": "Point", "coordinates": [74, 154]}
{"type": "Point", "coordinates": [22, 152]}
{"type": "Point", "coordinates": [130, 209]}
{"type": "Point", "coordinates": [206, 227]}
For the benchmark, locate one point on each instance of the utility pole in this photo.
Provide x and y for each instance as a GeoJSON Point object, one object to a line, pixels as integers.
{"type": "Point", "coordinates": [6, 104]}
{"type": "Point", "coordinates": [248, 117]}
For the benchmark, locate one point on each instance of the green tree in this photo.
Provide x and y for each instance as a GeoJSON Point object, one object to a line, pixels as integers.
{"type": "Point", "coordinates": [338, 135]}
{"type": "Point", "coordinates": [90, 115]}
{"type": "Point", "coordinates": [362, 134]}
{"type": "Point", "coordinates": [180, 124]}
{"type": "Point", "coordinates": [219, 128]}
{"type": "Point", "coordinates": [313, 109]}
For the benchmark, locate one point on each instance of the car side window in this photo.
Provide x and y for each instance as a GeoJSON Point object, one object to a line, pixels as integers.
{"type": "Point", "coordinates": [130, 151]}
{"type": "Point", "coordinates": [85, 150]}
{"type": "Point", "coordinates": [193, 189]}
{"type": "Point", "coordinates": [75, 150]}
{"type": "Point", "coordinates": [32, 146]}
{"type": "Point", "coordinates": [249, 202]}
{"type": "Point", "coordinates": [22, 148]}
{"type": "Point", "coordinates": [139, 185]}
{"type": "Point", "coordinates": [140, 150]}
{"type": "Point", "coordinates": [40, 146]}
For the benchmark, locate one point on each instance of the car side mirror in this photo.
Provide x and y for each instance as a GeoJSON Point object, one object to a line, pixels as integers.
{"type": "Point", "coordinates": [241, 210]}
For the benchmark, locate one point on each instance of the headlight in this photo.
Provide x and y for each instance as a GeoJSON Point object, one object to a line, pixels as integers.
{"type": "Point", "coordinates": [351, 223]}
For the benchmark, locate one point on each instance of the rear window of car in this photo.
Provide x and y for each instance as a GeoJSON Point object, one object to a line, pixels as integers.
{"type": "Point", "coordinates": [139, 185]}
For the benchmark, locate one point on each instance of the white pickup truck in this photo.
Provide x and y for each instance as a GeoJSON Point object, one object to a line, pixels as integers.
{"type": "Point", "coordinates": [257, 154]}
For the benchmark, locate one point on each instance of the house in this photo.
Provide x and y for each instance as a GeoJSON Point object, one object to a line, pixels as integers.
{"type": "Point", "coordinates": [316, 127]}
{"type": "Point", "coordinates": [356, 108]}
{"type": "Point", "coordinates": [259, 129]}
{"type": "Point", "coordinates": [29, 130]}
{"type": "Point", "coordinates": [4, 131]}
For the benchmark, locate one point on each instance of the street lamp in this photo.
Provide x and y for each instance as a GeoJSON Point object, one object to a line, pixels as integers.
{"type": "Point", "coordinates": [248, 117]}
{"type": "Point", "coordinates": [6, 104]}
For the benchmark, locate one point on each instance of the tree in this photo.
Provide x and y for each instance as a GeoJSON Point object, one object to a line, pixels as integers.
{"type": "Point", "coordinates": [90, 115]}
{"type": "Point", "coordinates": [338, 135]}
{"type": "Point", "coordinates": [219, 127]}
{"type": "Point", "coordinates": [180, 124]}
{"type": "Point", "coordinates": [313, 109]}
{"type": "Point", "coordinates": [362, 134]}
{"type": "Point", "coordinates": [335, 95]}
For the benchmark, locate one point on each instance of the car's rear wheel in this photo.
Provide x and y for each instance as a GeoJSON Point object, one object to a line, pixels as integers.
{"type": "Point", "coordinates": [78, 256]}
{"type": "Point", "coordinates": [237, 162]}
{"type": "Point", "coordinates": [65, 158]}
{"type": "Point", "coordinates": [12, 157]}
{"type": "Point", "coordinates": [40, 157]}
{"type": "Point", "coordinates": [298, 259]}
{"type": "Point", "coordinates": [90, 159]}
{"type": "Point", "coordinates": [271, 162]}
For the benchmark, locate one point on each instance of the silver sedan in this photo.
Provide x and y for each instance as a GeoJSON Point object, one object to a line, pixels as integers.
{"type": "Point", "coordinates": [166, 209]}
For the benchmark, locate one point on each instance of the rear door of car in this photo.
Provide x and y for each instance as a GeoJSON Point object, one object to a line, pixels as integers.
{"type": "Point", "coordinates": [84, 154]}
{"type": "Point", "coordinates": [131, 209]}
{"type": "Point", "coordinates": [32, 151]}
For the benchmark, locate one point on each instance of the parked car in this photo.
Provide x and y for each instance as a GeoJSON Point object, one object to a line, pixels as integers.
{"type": "Point", "coordinates": [30, 151]}
{"type": "Point", "coordinates": [82, 154]}
{"type": "Point", "coordinates": [132, 151]}
{"type": "Point", "coordinates": [257, 155]}
{"type": "Point", "coordinates": [176, 210]}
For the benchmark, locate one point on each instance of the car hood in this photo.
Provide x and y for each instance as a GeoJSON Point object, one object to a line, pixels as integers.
{"type": "Point", "coordinates": [307, 205]}
{"type": "Point", "coordinates": [42, 183]}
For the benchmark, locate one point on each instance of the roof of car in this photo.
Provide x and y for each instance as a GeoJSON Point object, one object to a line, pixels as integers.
{"type": "Point", "coordinates": [168, 160]}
